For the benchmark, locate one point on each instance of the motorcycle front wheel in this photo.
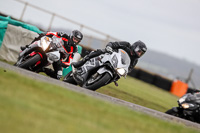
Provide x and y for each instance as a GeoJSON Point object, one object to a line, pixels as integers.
{"type": "Point", "coordinates": [173, 111]}
{"type": "Point", "coordinates": [97, 82]}
{"type": "Point", "coordinates": [30, 62]}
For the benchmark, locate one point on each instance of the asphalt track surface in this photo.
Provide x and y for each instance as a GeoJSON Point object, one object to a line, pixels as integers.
{"type": "Point", "coordinates": [97, 95]}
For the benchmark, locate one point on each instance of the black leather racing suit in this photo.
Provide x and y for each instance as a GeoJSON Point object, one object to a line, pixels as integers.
{"type": "Point", "coordinates": [115, 46]}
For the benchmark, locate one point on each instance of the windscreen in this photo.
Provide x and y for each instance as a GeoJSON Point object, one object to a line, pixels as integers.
{"type": "Point", "coordinates": [125, 60]}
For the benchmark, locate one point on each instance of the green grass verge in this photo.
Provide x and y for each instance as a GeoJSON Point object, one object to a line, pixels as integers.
{"type": "Point", "coordinates": [29, 106]}
{"type": "Point", "coordinates": [139, 92]}
{"type": "Point", "coordinates": [9, 62]}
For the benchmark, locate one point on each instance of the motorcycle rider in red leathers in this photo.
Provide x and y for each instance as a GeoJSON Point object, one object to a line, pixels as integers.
{"type": "Point", "coordinates": [70, 49]}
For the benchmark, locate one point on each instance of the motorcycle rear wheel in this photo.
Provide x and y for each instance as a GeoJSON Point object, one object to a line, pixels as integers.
{"type": "Point", "coordinates": [30, 62]}
{"type": "Point", "coordinates": [69, 79]}
{"type": "Point", "coordinates": [101, 81]}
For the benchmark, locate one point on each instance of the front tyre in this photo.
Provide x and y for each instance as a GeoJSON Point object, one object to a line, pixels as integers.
{"type": "Point", "coordinates": [174, 111]}
{"type": "Point", "coordinates": [95, 82]}
{"type": "Point", "coordinates": [30, 62]}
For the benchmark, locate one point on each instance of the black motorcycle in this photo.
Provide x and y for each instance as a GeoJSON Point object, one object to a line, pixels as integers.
{"type": "Point", "coordinates": [189, 107]}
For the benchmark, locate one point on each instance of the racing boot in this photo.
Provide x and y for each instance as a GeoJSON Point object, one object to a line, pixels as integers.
{"type": "Point", "coordinates": [81, 62]}
{"type": "Point", "coordinates": [88, 57]}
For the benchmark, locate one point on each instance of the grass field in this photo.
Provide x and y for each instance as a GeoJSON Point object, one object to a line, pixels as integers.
{"type": "Point", "coordinates": [139, 92]}
{"type": "Point", "coordinates": [29, 106]}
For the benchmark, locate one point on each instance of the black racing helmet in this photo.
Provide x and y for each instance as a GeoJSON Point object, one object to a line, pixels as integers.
{"type": "Point", "coordinates": [138, 48]}
{"type": "Point", "coordinates": [76, 36]}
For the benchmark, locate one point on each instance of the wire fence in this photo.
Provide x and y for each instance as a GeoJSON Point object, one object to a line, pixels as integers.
{"type": "Point", "coordinates": [92, 37]}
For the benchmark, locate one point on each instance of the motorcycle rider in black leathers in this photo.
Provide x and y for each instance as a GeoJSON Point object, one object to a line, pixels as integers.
{"type": "Point", "coordinates": [70, 48]}
{"type": "Point", "coordinates": [135, 51]}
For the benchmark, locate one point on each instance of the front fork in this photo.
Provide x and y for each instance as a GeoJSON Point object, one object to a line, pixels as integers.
{"type": "Point", "coordinates": [111, 72]}
{"type": "Point", "coordinates": [28, 49]}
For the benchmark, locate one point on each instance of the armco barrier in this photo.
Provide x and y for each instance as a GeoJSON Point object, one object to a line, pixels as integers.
{"type": "Point", "coordinates": [146, 76]}
{"type": "Point", "coordinates": [134, 73]}
{"type": "Point", "coordinates": [150, 78]}
{"type": "Point", "coordinates": [162, 82]}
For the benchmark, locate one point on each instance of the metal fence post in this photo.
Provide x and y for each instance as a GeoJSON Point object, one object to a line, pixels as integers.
{"type": "Point", "coordinates": [81, 28]}
{"type": "Point", "coordinates": [25, 5]}
{"type": "Point", "coordinates": [50, 24]}
{"type": "Point", "coordinates": [106, 41]}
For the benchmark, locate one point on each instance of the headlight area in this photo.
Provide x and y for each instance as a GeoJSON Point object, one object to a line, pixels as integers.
{"type": "Point", "coordinates": [187, 105]}
{"type": "Point", "coordinates": [45, 43]}
{"type": "Point", "coordinates": [121, 71]}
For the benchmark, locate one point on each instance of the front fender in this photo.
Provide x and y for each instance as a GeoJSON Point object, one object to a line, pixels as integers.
{"type": "Point", "coordinates": [104, 70]}
{"type": "Point", "coordinates": [175, 109]}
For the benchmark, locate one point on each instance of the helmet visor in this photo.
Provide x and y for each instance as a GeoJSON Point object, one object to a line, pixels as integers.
{"type": "Point", "coordinates": [139, 52]}
{"type": "Point", "coordinates": [76, 40]}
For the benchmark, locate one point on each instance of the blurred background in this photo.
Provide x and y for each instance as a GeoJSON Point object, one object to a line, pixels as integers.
{"type": "Point", "coordinates": [170, 28]}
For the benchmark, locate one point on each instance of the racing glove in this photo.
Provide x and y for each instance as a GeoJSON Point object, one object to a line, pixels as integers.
{"type": "Point", "coordinates": [109, 49]}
